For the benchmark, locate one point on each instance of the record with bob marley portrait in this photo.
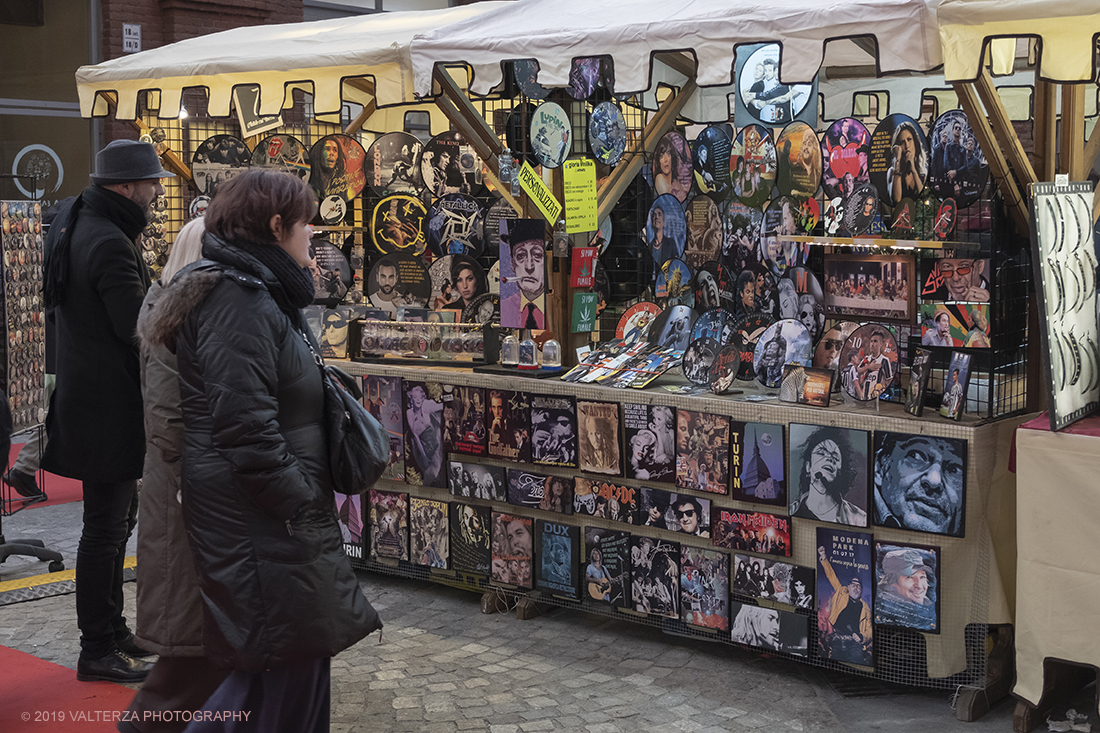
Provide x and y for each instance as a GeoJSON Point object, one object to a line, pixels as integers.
{"type": "Point", "coordinates": [846, 157]}
{"type": "Point", "coordinates": [517, 133]}
{"type": "Point", "coordinates": [753, 165]}
{"type": "Point", "coordinates": [714, 287]}
{"type": "Point", "coordinates": [637, 318]}
{"type": "Point", "coordinates": [217, 161]}
{"type": "Point", "coordinates": [710, 154]}
{"type": "Point", "coordinates": [674, 284]}
{"type": "Point", "coordinates": [899, 159]}
{"type": "Point", "coordinates": [607, 133]}
{"type": "Point", "coordinates": [860, 209]}
{"type": "Point", "coordinates": [672, 327]}
{"type": "Point", "coordinates": [830, 347]}
{"type": "Point", "coordinates": [526, 72]}
{"type": "Point", "coordinates": [798, 165]}
{"type": "Point", "coordinates": [869, 363]}
{"type": "Point", "coordinates": [284, 153]}
{"type": "Point", "coordinates": [455, 225]}
{"type": "Point", "coordinates": [457, 281]}
{"type": "Point", "coordinates": [392, 164]}
{"type": "Point", "coordinates": [698, 359]}
{"type": "Point", "coordinates": [396, 280]}
{"type": "Point", "coordinates": [749, 329]}
{"type": "Point", "coordinates": [331, 273]}
{"type": "Point", "coordinates": [551, 134]}
{"type": "Point", "coordinates": [485, 308]}
{"type": "Point", "coordinates": [672, 167]}
{"type": "Point", "coordinates": [784, 342]}
{"type": "Point", "coordinates": [449, 164]}
{"type": "Point", "coordinates": [337, 167]}
{"type": "Point", "coordinates": [400, 224]}
{"type": "Point", "coordinates": [725, 368]}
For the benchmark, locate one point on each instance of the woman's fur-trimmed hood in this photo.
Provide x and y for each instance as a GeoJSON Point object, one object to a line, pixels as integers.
{"type": "Point", "coordinates": [166, 308]}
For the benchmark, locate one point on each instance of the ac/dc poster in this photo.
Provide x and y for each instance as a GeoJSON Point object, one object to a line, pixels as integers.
{"type": "Point", "coordinates": [464, 420]}
{"type": "Point", "coordinates": [554, 430]}
{"type": "Point", "coordinates": [598, 437]}
{"type": "Point", "coordinates": [767, 534]}
{"type": "Point", "coordinates": [513, 548]}
{"type": "Point", "coordinates": [558, 570]}
{"type": "Point", "coordinates": [389, 525]}
{"type": "Point", "coordinates": [756, 463]}
{"type": "Point", "coordinates": [674, 512]}
{"type": "Point", "coordinates": [349, 513]}
{"type": "Point", "coordinates": [509, 425]}
{"type": "Point", "coordinates": [470, 552]}
{"type": "Point", "coordinates": [605, 500]}
{"type": "Point", "coordinates": [650, 437]}
{"type": "Point", "coordinates": [428, 532]}
{"type": "Point", "coordinates": [702, 451]}
{"type": "Point", "coordinates": [704, 587]}
{"type": "Point", "coordinates": [908, 586]}
{"type": "Point", "coordinates": [607, 574]}
{"type": "Point", "coordinates": [774, 580]}
{"type": "Point", "coordinates": [476, 481]}
{"type": "Point", "coordinates": [655, 581]}
{"type": "Point", "coordinates": [382, 398]}
{"type": "Point", "coordinates": [844, 590]}
{"type": "Point", "coordinates": [424, 433]}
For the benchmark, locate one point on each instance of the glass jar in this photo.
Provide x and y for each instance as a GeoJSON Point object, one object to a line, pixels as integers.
{"type": "Point", "coordinates": [528, 355]}
{"type": "Point", "coordinates": [551, 356]}
{"type": "Point", "coordinates": [509, 351]}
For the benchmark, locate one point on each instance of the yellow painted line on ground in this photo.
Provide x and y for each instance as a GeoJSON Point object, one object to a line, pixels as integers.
{"type": "Point", "coordinates": [47, 578]}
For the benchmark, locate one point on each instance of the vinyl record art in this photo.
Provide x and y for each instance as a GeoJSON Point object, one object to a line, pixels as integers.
{"type": "Point", "coordinates": [391, 165]}
{"type": "Point", "coordinates": [666, 229]}
{"type": "Point", "coordinates": [448, 164]}
{"type": "Point", "coordinates": [607, 133]}
{"type": "Point", "coordinates": [526, 72]}
{"type": "Point", "coordinates": [284, 153]}
{"type": "Point", "coordinates": [218, 160]}
{"type": "Point", "coordinates": [725, 368]}
{"type": "Point", "coordinates": [331, 273]}
{"type": "Point", "coordinates": [636, 318]}
{"type": "Point", "coordinates": [810, 300]}
{"type": "Point", "coordinates": [337, 167]}
{"type": "Point", "coordinates": [784, 217]}
{"type": "Point", "coordinates": [517, 133]}
{"type": "Point", "coordinates": [698, 359]}
{"type": "Point", "coordinates": [784, 342]}
{"type": "Point", "coordinates": [860, 209]}
{"type": "Point", "coordinates": [672, 327]}
{"type": "Point", "coordinates": [714, 287]}
{"type": "Point", "coordinates": [584, 76]}
{"type": "Point", "coordinates": [551, 134]}
{"type": "Point", "coordinates": [672, 166]}
{"type": "Point", "coordinates": [958, 168]}
{"type": "Point", "coordinates": [397, 280]}
{"type": "Point", "coordinates": [846, 151]}
{"type": "Point", "coordinates": [718, 324]}
{"type": "Point", "coordinates": [674, 284]}
{"type": "Point", "coordinates": [711, 158]}
{"type": "Point", "coordinates": [869, 362]}
{"type": "Point", "coordinates": [485, 308]}
{"type": "Point", "coordinates": [740, 235]}
{"type": "Point", "coordinates": [749, 329]}
{"type": "Point", "coordinates": [455, 225]}
{"type": "Point", "coordinates": [761, 93]}
{"type": "Point", "coordinates": [500, 209]}
{"type": "Point", "coordinates": [753, 165]}
{"type": "Point", "coordinates": [457, 281]}
{"type": "Point", "coordinates": [400, 224]}
{"type": "Point", "coordinates": [601, 238]}
{"type": "Point", "coordinates": [704, 231]}
{"type": "Point", "coordinates": [899, 159]}
{"type": "Point", "coordinates": [798, 154]}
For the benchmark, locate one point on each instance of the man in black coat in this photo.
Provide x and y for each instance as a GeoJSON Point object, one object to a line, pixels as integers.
{"type": "Point", "coordinates": [95, 279]}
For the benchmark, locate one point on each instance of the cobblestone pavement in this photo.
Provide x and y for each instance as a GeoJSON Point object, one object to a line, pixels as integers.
{"type": "Point", "coordinates": [444, 666]}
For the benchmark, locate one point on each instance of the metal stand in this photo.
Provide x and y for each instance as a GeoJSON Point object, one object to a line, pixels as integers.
{"type": "Point", "coordinates": [24, 547]}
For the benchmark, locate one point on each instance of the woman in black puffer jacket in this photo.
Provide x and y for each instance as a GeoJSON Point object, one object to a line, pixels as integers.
{"type": "Point", "coordinates": [279, 595]}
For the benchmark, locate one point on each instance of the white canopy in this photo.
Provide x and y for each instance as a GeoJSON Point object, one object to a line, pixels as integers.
{"type": "Point", "coordinates": [321, 53]}
{"type": "Point", "coordinates": [555, 31]}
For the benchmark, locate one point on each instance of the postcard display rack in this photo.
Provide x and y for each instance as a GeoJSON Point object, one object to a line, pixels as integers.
{"type": "Point", "coordinates": [24, 345]}
{"type": "Point", "coordinates": [968, 583]}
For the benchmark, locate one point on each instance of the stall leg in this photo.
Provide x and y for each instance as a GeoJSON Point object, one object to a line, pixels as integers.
{"type": "Point", "coordinates": [1061, 681]}
{"type": "Point", "coordinates": [1000, 674]}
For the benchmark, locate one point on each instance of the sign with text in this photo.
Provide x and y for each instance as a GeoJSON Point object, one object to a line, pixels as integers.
{"type": "Point", "coordinates": [584, 267]}
{"type": "Point", "coordinates": [540, 193]}
{"type": "Point", "coordinates": [579, 178]}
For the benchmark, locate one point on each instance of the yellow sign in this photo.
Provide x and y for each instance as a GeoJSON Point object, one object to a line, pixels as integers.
{"type": "Point", "coordinates": [579, 179]}
{"type": "Point", "coordinates": [533, 186]}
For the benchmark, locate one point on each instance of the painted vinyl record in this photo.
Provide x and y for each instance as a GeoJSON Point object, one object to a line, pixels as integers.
{"type": "Point", "coordinates": [674, 284]}
{"type": "Point", "coordinates": [717, 324]}
{"type": "Point", "coordinates": [197, 207]}
{"type": "Point", "coordinates": [766, 295]}
{"type": "Point", "coordinates": [725, 368]}
{"type": "Point", "coordinates": [783, 217]}
{"type": "Point", "coordinates": [860, 209]}
{"type": "Point", "coordinates": [391, 164]}
{"type": "Point", "coordinates": [810, 299]}
{"type": "Point", "coordinates": [830, 348]}
{"type": "Point", "coordinates": [551, 134]}
{"type": "Point", "coordinates": [601, 286]}
{"type": "Point", "coordinates": [331, 273]}
{"type": "Point", "coordinates": [601, 238]}
{"type": "Point", "coordinates": [672, 327]}
{"type": "Point", "coordinates": [485, 308]}
{"type": "Point", "coordinates": [332, 209]}
{"type": "Point", "coordinates": [400, 224]}
{"type": "Point", "coordinates": [749, 329]}
{"type": "Point", "coordinates": [869, 362]}
{"type": "Point", "coordinates": [517, 133]}
{"type": "Point", "coordinates": [457, 281]}
{"type": "Point", "coordinates": [217, 161]}
{"type": "Point", "coordinates": [494, 278]}
{"type": "Point", "coordinates": [526, 72]}
{"type": "Point", "coordinates": [337, 167]}
{"type": "Point", "coordinates": [449, 164]}
{"type": "Point", "coordinates": [945, 219]}
{"type": "Point", "coordinates": [753, 165]}
{"type": "Point", "coordinates": [740, 235]}
{"type": "Point", "coordinates": [698, 359]}
{"type": "Point", "coordinates": [710, 153]}
{"type": "Point", "coordinates": [455, 225]}
{"type": "Point", "coordinates": [666, 229]}
{"type": "Point", "coordinates": [584, 76]}
{"type": "Point", "coordinates": [784, 342]}
{"type": "Point", "coordinates": [958, 168]}
{"type": "Point", "coordinates": [284, 153]}
{"type": "Point", "coordinates": [396, 280]}
{"type": "Point", "coordinates": [672, 166]}
{"type": "Point", "coordinates": [834, 217]}
{"type": "Point", "coordinates": [704, 231]}
{"type": "Point", "coordinates": [607, 133]}
{"type": "Point", "coordinates": [714, 287]}
{"type": "Point", "coordinates": [636, 319]}
{"type": "Point", "coordinates": [899, 159]}
{"type": "Point", "coordinates": [500, 209]}
{"type": "Point", "coordinates": [798, 165]}
{"type": "Point", "coordinates": [846, 154]}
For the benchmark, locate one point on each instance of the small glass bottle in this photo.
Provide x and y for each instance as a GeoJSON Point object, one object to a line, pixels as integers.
{"type": "Point", "coordinates": [504, 167]}
{"type": "Point", "coordinates": [528, 355]}
{"type": "Point", "coordinates": [516, 189]}
{"type": "Point", "coordinates": [509, 351]}
{"type": "Point", "coordinates": [551, 356]}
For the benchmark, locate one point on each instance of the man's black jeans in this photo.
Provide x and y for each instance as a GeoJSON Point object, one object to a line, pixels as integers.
{"type": "Point", "coordinates": [110, 515]}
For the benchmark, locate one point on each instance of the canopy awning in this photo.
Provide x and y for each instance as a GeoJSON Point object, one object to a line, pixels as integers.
{"type": "Point", "coordinates": [553, 32]}
{"type": "Point", "coordinates": [323, 54]}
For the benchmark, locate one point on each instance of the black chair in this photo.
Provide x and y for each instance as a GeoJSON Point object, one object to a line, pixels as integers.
{"type": "Point", "coordinates": [10, 504]}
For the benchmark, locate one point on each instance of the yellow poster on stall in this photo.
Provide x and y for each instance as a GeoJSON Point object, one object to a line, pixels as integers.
{"type": "Point", "coordinates": [540, 193]}
{"type": "Point", "coordinates": [579, 182]}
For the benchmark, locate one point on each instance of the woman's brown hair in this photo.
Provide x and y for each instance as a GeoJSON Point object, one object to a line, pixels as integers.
{"type": "Point", "coordinates": [242, 209]}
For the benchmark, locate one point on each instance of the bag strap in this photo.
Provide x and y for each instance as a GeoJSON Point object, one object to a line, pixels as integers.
{"type": "Point", "coordinates": [336, 374]}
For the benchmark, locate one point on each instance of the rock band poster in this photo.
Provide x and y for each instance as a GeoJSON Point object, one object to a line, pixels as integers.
{"type": "Point", "coordinates": [767, 534]}
{"type": "Point", "coordinates": [382, 398]}
{"type": "Point", "coordinates": [464, 420]}
{"type": "Point", "coordinates": [704, 587]}
{"type": "Point", "coordinates": [655, 571]}
{"type": "Point", "coordinates": [429, 536]}
{"type": "Point", "coordinates": [845, 583]}
{"type": "Point", "coordinates": [607, 575]}
{"type": "Point", "coordinates": [598, 437]}
{"type": "Point", "coordinates": [702, 451]}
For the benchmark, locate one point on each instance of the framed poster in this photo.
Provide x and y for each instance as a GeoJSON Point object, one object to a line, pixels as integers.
{"type": "Point", "coordinates": [908, 583]}
{"type": "Point", "coordinates": [920, 483]}
{"type": "Point", "coordinates": [845, 584]}
{"type": "Point", "coordinates": [878, 287]}
{"type": "Point", "coordinates": [828, 478]}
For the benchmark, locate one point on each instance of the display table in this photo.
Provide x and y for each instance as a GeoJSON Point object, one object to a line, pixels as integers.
{"type": "Point", "coordinates": [1057, 581]}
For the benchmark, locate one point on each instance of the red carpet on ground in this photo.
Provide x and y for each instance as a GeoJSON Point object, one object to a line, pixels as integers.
{"type": "Point", "coordinates": [61, 490]}
{"type": "Point", "coordinates": [42, 696]}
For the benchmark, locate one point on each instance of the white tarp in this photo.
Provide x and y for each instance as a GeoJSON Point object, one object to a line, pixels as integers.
{"type": "Point", "coordinates": [319, 53]}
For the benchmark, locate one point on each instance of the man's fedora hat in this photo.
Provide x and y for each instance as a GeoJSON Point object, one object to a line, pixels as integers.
{"type": "Point", "coordinates": [125, 161]}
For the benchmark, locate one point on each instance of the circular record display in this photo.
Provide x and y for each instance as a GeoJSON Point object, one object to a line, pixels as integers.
{"type": "Point", "coordinates": [861, 208]}
{"type": "Point", "coordinates": [636, 319]}
{"type": "Point", "coordinates": [798, 171]}
{"type": "Point", "coordinates": [784, 342]}
{"type": "Point", "coordinates": [602, 287]}
{"type": "Point", "coordinates": [740, 234]}
{"type": "Point", "coordinates": [284, 153]}
{"type": "Point", "coordinates": [810, 299]}
{"type": "Point", "coordinates": [766, 294]}
{"type": "Point", "coordinates": [485, 308]}
{"type": "Point", "coordinates": [784, 216]}
{"type": "Point", "coordinates": [337, 167]}
{"type": "Point", "coordinates": [713, 287]}
{"type": "Point", "coordinates": [718, 324]}
{"type": "Point", "coordinates": [834, 217]}
{"type": "Point", "coordinates": [500, 209]}
{"type": "Point", "coordinates": [666, 229]}
{"type": "Point", "coordinates": [517, 132]}
{"type": "Point", "coordinates": [601, 238]}
{"type": "Point", "coordinates": [749, 330]}
{"type": "Point", "coordinates": [869, 362]}
{"type": "Point", "coordinates": [331, 273]}
{"type": "Point", "coordinates": [457, 281]}
{"type": "Point", "coordinates": [454, 225]}
{"type": "Point", "coordinates": [526, 72]}
{"type": "Point", "coordinates": [607, 133]}
{"type": "Point", "coordinates": [217, 161]}
{"type": "Point", "coordinates": [392, 164]}
{"type": "Point", "coordinates": [399, 224]}
{"type": "Point", "coordinates": [448, 164]}
{"type": "Point", "coordinates": [899, 159]}
{"type": "Point", "coordinates": [830, 346]}
{"type": "Point", "coordinates": [197, 207]}
{"type": "Point", "coordinates": [698, 359]}
{"type": "Point", "coordinates": [958, 169]}
{"type": "Point", "coordinates": [672, 327]}
{"type": "Point", "coordinates": [674, 284]}
{"type": "Point", "coordinates": [672, 166]}
{"type": "Point", "coordinates": [584, 75]}
{"type": "Point", "coordinates": [398, 279]}
{"type": "Point", "coordinates": [550, 134]}
{"type": "Point", "coordinates": [704, 231]}
{"type": "Point", "coordinates": [752, 165]}
{"type": "Point", "coordinates": [710, 154]}
{"type": "Point", "coordinates": [494, 278]}
{"type": "Point", "coordinates": [846, 153]}
{"type": "Point", "coordinates": [725, 368]}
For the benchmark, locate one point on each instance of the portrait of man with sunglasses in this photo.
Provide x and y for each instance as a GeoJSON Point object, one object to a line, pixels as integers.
{"type": "Point", "coordinates": [956, 280]}
{"type": "Point", "coordinates": [689, 511]}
